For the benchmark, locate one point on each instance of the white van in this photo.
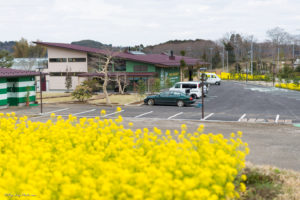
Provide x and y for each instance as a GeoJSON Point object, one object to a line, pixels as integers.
{"type": "Point", "coordinates": [191, 88]}
{"type": "Point", "coordinates": [213, 78]}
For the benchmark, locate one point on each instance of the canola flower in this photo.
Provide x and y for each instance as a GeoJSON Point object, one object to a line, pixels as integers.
{"type": "Point", "coordinates": [99, 159]}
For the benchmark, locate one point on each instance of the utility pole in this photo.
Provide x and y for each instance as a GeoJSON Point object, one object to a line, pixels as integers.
{"type": "Point", "coordinates": [278, 57]}
{"type": "Point", "coordinates": [293, 52]}
{"type": "Point", "coordinates": [202, 93]}
{"type": "Point", "coordinates": [210, 57]}
{"type": "Point", "coordinates": [227, 60]}
{"type": "Point", "coordinates": [246, 72]}
{"type": "Point", "coordinates": [223, 55]}
{"type": "Point", "coordinates": [251, 54]}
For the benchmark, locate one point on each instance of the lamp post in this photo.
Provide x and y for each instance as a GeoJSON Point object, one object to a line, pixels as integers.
{"type": "Point", "coordinates": [202, 90]}
{"type": "Point", "coordinates": [40, 68]}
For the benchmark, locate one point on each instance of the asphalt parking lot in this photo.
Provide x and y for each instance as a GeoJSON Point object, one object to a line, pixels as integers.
{"type": "Point", "coordinates": [231, 101]}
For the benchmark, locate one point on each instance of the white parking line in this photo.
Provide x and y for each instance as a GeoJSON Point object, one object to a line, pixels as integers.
{"type": "Point", "coordinates": [83, 112]}
{"type": "Point", "coordinates": [113, 113]}
{"type": "Point", "coordinates": [143, 114]}
{"type": "Point", "coordinates": [277, 118]}
{"type": "Point", "coordinates": [175, 115]}
{"type": "Point", "coordinates": [211, 114]}
{"type": "Point", "coordinates": [55, 111]}
{"type": "Point", "coordinates": [242, 117]}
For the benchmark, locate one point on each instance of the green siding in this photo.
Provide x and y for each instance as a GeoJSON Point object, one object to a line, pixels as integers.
{"type": "Point", "coordinates": [21, 89]}
{"type": "Point", "coordinates": [2, 80]}
{"type": "Point", "coordinates": [12, 79]}
{"type": "Point", "coordinates": [3, 102]}
{"type": "Point", "coordinates": [21, 79]}
{"type": "Point", "coordinates": [14, 101]}
{"type": "Point", "coordinates": [26, 78]}
{"type": "Point", "coordinates": [3, 91]}
{"type": "Point", "coordinates": [130, 64]}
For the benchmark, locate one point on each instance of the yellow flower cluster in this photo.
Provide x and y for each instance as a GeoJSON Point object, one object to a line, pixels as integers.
{"type": "Point", "coordinates": [100, 159]}
{"type": "Point", "coordinates": [290, 86]}
{"type": "Point", "coordinates": [229, 76]}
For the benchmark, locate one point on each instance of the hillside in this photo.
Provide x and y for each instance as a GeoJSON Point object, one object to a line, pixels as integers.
{"type": "Point", "coordinates": [192, 48]}
{"type": "Point", "coordinates": [94, 44]}
{"type": "Point", "coordinates": [7, 45]}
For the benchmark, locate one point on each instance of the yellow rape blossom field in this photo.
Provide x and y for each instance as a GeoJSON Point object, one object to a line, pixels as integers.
{"type": "Point", "coordinates": [100, 159]}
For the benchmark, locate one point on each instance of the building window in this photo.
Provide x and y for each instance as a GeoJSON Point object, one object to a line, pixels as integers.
{"type": "Point", "coordinates": [64, 73]}
{"type": "Point", "coordinates": [76, 59]}
{"type": "Point", "coordinates": [57, 60]}
{"type": "Point", "coordinates": [120, 65]}
{"type": "Point", "coordinates": [140, 68]}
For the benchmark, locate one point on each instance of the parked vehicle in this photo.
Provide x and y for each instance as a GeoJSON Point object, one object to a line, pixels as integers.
{"type": "Point", "coordinates": [191, 88]}
{"type": "Point", "coordinates": [169, 98]}
{"type": "Point", "coordinates": [213, 78]}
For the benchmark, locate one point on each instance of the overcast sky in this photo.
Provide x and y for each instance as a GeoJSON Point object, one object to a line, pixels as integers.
{"type": "Point", "coordinates": [132, 22]}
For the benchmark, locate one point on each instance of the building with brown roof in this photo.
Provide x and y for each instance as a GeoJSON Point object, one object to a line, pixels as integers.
{"type": "Point", "coordinates": [84, 62]}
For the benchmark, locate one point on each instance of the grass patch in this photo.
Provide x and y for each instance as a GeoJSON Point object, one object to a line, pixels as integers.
{"type": "Point", "coordinates": [266, 182]}
{"type": "Point", "coordinates": [118, 99]}
{"type": "Point", "coordinates": [53, 94]}
{"type": "Point", "coordinates": [261, 186]}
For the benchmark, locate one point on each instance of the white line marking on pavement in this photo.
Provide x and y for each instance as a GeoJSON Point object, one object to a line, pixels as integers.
{"type": "Point", "coordinates": [242, 117]}
{"type": "Point", "coordinates": [55, 111]}
{"type": "Point", "coordinates": [113, 113]}
{"type": "Point", "coordinates": [84, 112]}
{"type": "Point", "coordinates": [44, 114]}
{"type": "Point", "coordinates": [208, 116]}
{"type": "Point", "coordinates": [277, 118]}
{"type": "Point", "coordinates": [143, 114]}
{"type": "Point", "coordinates": [175, 115]}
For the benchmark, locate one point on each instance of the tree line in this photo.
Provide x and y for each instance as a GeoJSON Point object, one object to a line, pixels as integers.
{"type": "Point", "coordinates": [21, 49]}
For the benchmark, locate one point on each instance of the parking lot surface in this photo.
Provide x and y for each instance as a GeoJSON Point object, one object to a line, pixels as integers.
{"type": "Point", "coordinates": [231, 101]}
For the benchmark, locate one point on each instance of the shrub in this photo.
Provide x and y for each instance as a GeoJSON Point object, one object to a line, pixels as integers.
{"type": "Point", "coordinates": [141, 88]}
{"type": "Point", "coordinates": [82, 93]}
{"type": "Point", "coordinates": [156, 86]}
{"type": "Point", "coordinates": [168, 83]}
{"type": "Point", "coordinates": [93, 84]}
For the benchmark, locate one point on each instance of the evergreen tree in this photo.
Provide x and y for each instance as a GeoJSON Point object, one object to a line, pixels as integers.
{"type": "Point", "coordinates": [230, 49]}
{"type": "Point", "coordinates": [68, 81]}
{"type": "Point", "coordinates": [216, 59]}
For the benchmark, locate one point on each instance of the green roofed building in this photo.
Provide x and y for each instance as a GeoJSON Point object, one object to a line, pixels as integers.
{"type": "Point", "coordinates": [16, 87]}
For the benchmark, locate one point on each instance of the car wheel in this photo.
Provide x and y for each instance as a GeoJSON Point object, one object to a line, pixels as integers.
{"type": "Point", "coordinates": [194, 96]}
{"type": "Point", "coordinates": [180, 103]}
{"type": "Point", "coordinates": [150, 102]}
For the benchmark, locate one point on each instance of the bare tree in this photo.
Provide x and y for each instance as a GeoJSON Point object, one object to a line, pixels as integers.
{"type": "Point", "coordinates": [104, 71]}
{"type": "Point", "coordinates": [278, 37]}
{"type": "Point", "coordinates": [122, 82]}
{"type": "Point", "coordinates": [101, 64]}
